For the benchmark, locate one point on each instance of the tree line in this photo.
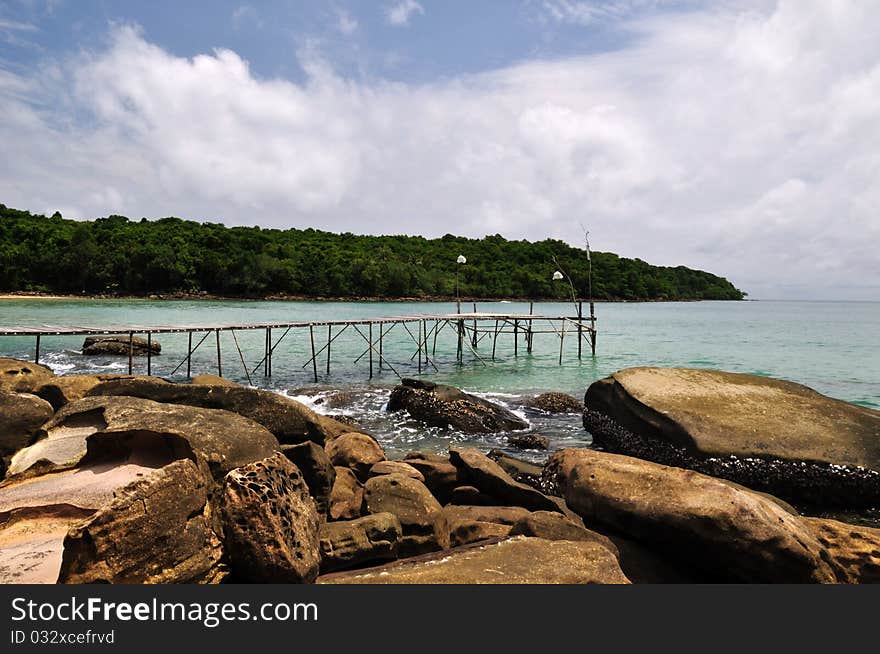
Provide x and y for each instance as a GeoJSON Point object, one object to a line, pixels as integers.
{"type": "Point", "coordinates": [118, 256]}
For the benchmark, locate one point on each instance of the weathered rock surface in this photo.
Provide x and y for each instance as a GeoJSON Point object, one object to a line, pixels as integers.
{"type": "Point", "coordinates": [727, 533]}
{"type": "Point", "coordinates": [351, 543]}
{"type": "Point", "coordinates": [471, 496]}
{"type": "Point", "coordinates": [347, 496]}
{"type": "Point", "coordinates": [490, 478]}
{"type": "Point", "coordinates": [517, 560]}
{"type": "Point", "coordinates": [157, 530]}
{"type": "Point", "coordinates": [119, 346]}
{"type": "Point", "coordinates": [106, 427]}
{"type": "Point", "coordinates": [525, 472]}
{"type": "Point", "coordinates": [555, 403]}
{"type": "Point", "coordinates": [444, 406]}
{"type": "Point", "coordinates": [60, 391]}
{"type": "Point", "coordinates": [270, 524]}
{"type": "Point", "coordinates": [419, 512]}
{"type": "Point", "coordinates": [355, 451]}
{"type": "Point", "coordinates": [467, 532]}
{"type": "Point", "coordinates": [501, 515]}
{"type": "Point", "coordinates": [767, 434]}
{"type": "Point", "coordinates": [529, 441]}
{"type": "Point", "coordinates": [854, 549]}
{"type": "Point", "coordinates": [317, 471]}
{"type": "Point", "coordinates": [555, 526]}
{"type": "Point", "coordinates": [213, 380]}
{"type": "Point", "coordinates": [441, 477]}
{"type": "Point", "coordinates": [22, 376]}
{"type": "Point", "coordinates": [290, 421]}
{"type": "Point", "coordinates": [395, 467]}
{"type": "Point", "coordinates": [21, 416]}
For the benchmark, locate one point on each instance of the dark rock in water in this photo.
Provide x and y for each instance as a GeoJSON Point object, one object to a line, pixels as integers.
{"type": "Point", "coordinates": [555, 403]}
{"type": "Point", "coordinates": [347, 496]}
{"type": "Point", "coordinates": [491, 478]}
{"type": "Point", "coordinates": [441, 477]}
{"type": "Point", "coordinates": [156, 530]}
{"type": "Point", "coordinates": [529, 441]}
{"type": "Point", "coordinates": [317, 471]}
{"type": "Point", "coordinates": [21, 416]}
{"type": "Point", "coordinates": [270, 523]}
{"type": "Point", "coordinates": [471, 496]}
{"type": "Point", "coordinates": [351, 543]}
{"type": "Point", "coordinates": [355, 451]}
{"type": "Point", "coordinates": [119, 346]}
{"type": "Point", "coordinates": [444, 406]}
{"type": "Point", "coordinates": [766, 434]}
{"type": "Point", "coordinates": [724, 531]}
{"type": "Point", "coordinates": [419, 512]}
{"type": "Point", "coordinates": [517, 560]}
{"type": "Point", "coordinates": [22, 376]}
{"type": "Point", "coordinates": [290, 421]}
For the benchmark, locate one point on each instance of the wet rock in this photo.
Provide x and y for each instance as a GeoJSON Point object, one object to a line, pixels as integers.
{"type": "Point", "coordinates": [555, 526]}
{"type": "Point", "coordinates": [471, 496]}
{"type": "Point", "coordinates": [350, 543]}
{"type": "Point", "coordinates": [441, 477]}
{"type": "Point", "coordinates": [358, 452]}
{"type": "Point", "coordinates": [555, 403]}
{"type": "Point", "coordinates": [347, 496]}
{"type": "Point", "coordinates": [517, 560]}
{"type": "Point", "coordinates": [444, 406]}
{"type": "Point", "coordinates": [156, 530]}
{"type": "Point", "coordinates": [854, 549]}
{"type": "Point", "coordinates": [317, 471]}
{"type": "Point", "coordinates": [395, 467]}
{"type": "Point", "coordinates": [119, 346]}
{"type": "Point", "coordinates": [525, 472]}
{"type": "Point", "coordinates": [767, 434]}
{"type": "Point", "coordinates": [270, 524]}
{"type": "Point", "coordinates": [290, 421]}
{"type": "Point", "coordinates": [714, 526]}
{"type": "Point", "coordinates": [22, 376]}
{"type": "Point", "coordinates": [419, 513]}
{"type": "Point", "coordinates": [490, 478]}
{"type": "Point", "coordinates": [21, 416]}
{"type": "Point", "coordinates": [528, 441]}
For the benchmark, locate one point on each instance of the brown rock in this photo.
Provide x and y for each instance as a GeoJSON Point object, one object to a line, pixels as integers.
{"type": "Point", "coordinates": [471, 496]}
{"type": "Point", "coordinates": [517, 560]}
{"type": "Point", "coordinates": [465, 533]}
{"type": "Point", "coordinates": [270, 524]}
{"type": "Point", "coordinates": [555, 403]}
{"type": "Point", "coordinates": [347, 496]}
{"type": "Point", "coordinates": [714, 526]}
{"type": "Point", "coordinates": [21, 376]}
{"type": "Point", "coordinates": [157, 530]}
{"type": "Point", "coordinates": [525, 472]}
{"type": "Point", "coordinates": [529, 441]}
{"type": "Point", "coordinates": [502, 515]}
{"type": "Point", "coordinates": [120, 346]}
{"type": "Point", "coordinates": [350, 543]}
{"type": "Point", "coordinates": [60, 391]}
{"type": "Point", "coordinates": [355, 451]}
{"type": "Point", "coordinates": [21, 416]}
{"type": "Point", "coordinates": [213, 380]}
{"type": "Point", "coordinates": [555, 526]}
{"type": "Point", "coordinates": [490, 478]}
{"type": "Point", "coordinates": [420, 514]}
{"type": "Point", "coordinates": [317, 471]}
{"type": "Point", "coordinates": [441, 477]}
{"type": "Point", "coordinates": [395, 467]}
{"type": "Point", "coordinates": [855, 549]}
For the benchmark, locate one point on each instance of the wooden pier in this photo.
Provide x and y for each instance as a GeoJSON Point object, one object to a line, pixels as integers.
{"type": "Point", "coordinates": [471, 331]}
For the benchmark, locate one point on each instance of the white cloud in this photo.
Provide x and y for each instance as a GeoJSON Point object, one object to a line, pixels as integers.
{"type": "Point", "coordinates": [586, 12]}
{"type": "Point", "coordinates": [14, 26]}
{"type": "Point", "coordinates": [400, 13]}
{"type": "Point", "coordinates": [745, 143]}
{"type": "Point", "coordinates": [345, 22]}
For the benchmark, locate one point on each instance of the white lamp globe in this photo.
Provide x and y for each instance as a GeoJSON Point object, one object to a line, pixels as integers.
{"type": "Point", "coordinates": [557, 276]}
{"type": "Point", "coordinates": [461, 259]}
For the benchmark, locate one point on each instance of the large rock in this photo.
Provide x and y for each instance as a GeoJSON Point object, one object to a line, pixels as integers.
{"type": "Point", "coordinates": [441, 477]}
{"type": "Point", "coordinates": [444, 406]}
{"type": "Point", "coordinates": [22, 376]}
{"type": "Point", "coordinates": [355, 451]}
{"type": "Point", "coordinates": [290, 421]}
{"type": "Point", "coordinates": [395, 467]}
{"type": "Point", "coordinates": [767, 434]}
{"type": "Point", "coordinates": [491, 478]}
{"type": "Point", "coordinates": [469, 524]}
{"type": "Point", "coordinates": [351, 543]}
{"type": "Point", "coordinates": [21, 416]}
{"type": "Point", "coordinates": [95, 428]}
{"type": "Point", "coordinates": [419, 512]}
{"type": "Point", "coordinates": [525, 472]}
{"type": "Point", "coordinates": [727, 532]}
{"type": "Point", "coordinates": [555, 526]}
{"type": "Point", "coordinates": [120, 346]}
{"type": "Point", "coordinates": [347, 496]}
{"type": "Point", "coordinates": [854, 549]}
{"type": "Point", "coordinates": [514, 561]}
{"type": "Point", "coordinates": [529, 441]}
{"type": "Point", "coordinates": [156, 530]}
{"type": "Point", "coordinates": [317, 471]}
{"type": "Point", "coordinates": [60, 391]}
{"type": "Point", "coordinates": [270, 524]}
{"type": "Point", "coordinates": [555, 403]}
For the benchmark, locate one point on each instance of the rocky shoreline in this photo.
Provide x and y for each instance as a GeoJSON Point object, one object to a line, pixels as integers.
{"type": "Point", "coordinates": [132, 479]}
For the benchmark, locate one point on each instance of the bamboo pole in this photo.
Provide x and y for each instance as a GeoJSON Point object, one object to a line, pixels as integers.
{"type": "Point", "coordinates": [266, 354]}
{"type": "Point", "coordinates": [561, 340]}
{"type": "Point", "coordinates": [530, 333]}
{"type": "Point", "coordinates": [434, 349]}
{"type": "Point", "coordinates": [149, 353]}
{"type": "Point", "coordinates": [219, 360]}
{"type": "Point", "coordinates": [329, 340]}
{"type": "Point", "coordinates": [37, 351]}
{"type": "Point", "coordinates": [314, 357]}
{"type": "Point", "coordinates": [516, 338]}
{"type": "Point", "coordinates": [189, 347]}
{"type": "Point", "coordinates": [419, 343]}
{"type": "Point", "coordinates": [381, 339]}
{"type": "Point", "coordinates": [580, 326]}
{"type": "Point", "coordinates": [272, 349]}
{"type": "Point", "coordinates": [371, 349]}
{"type": "Point", "coordinates": [130, 351]}
{"type": "Point", "coordinates": [475, 327]}
{"type": "Point", "coordinates": [494, 340]}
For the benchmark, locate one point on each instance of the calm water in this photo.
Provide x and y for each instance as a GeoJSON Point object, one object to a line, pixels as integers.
{"type": "Point", "coordinates": [829, 346]}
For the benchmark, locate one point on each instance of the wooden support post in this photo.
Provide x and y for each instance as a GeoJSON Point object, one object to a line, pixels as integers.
{"type": "Point", "coordinates": [314, 358]}
{"type": "Point", "coordinates": [130, 351]}
{"type": "Point", "coordinates": [241, 356]}
{"type": "Point", "coordinates": [381, 338]}
{"type": "Point", "coordinates": [329, 340]}
{"type": "Point", "coordinates": [593, 330]}
{"type": "Point", "coordinates": [530, 333]}
{"type": "Point", "coordinates": [494, 340]}
{"type": "Point", "coordinates": [189, 351]}
{"type": "Point", "coordinates": [149, 353]}
{"type": "Point", "coordinates": [460, 339]}
{"type": "Point", "coordinates": [37, 351]}
{"type": "Point", "coordinates": [371, 350]}
{"type": "Point", "coordinates": [475, 327]}
{"type": "Point", "coordinates": [219, 360]}
{"type": "Point", "coordinates": [271, 350]}
{"type": "Point", "coordinates": [516, 338]}
{"type": "Point", "coordinates": [580, 326]}
{"type": "Point", "coordinates": [436, 329]}
{"type": "Point", "coordinates": [266, 347]}
{"type": "Point", "coordinates": [561, 341]}
{"type": "Point", "coordinates": [419, 343]}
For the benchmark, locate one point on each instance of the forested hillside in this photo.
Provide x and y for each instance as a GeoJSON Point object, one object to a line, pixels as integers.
{"type": "Point", "coordinates": [115, 255]}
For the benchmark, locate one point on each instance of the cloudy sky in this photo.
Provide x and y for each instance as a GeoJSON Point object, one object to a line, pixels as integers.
{"type": "Point", "coordinates": [740, 137]}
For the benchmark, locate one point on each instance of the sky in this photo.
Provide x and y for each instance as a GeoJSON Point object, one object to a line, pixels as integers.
{"type": "Point", "coordinates": [740, 137]}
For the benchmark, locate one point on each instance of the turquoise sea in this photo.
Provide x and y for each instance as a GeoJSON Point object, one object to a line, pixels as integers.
{"type": "Point", "coordinates": [829, 346]}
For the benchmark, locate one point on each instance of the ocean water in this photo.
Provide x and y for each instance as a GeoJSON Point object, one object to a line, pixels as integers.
{"type": "Point", "coordinates": [829, 346]}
